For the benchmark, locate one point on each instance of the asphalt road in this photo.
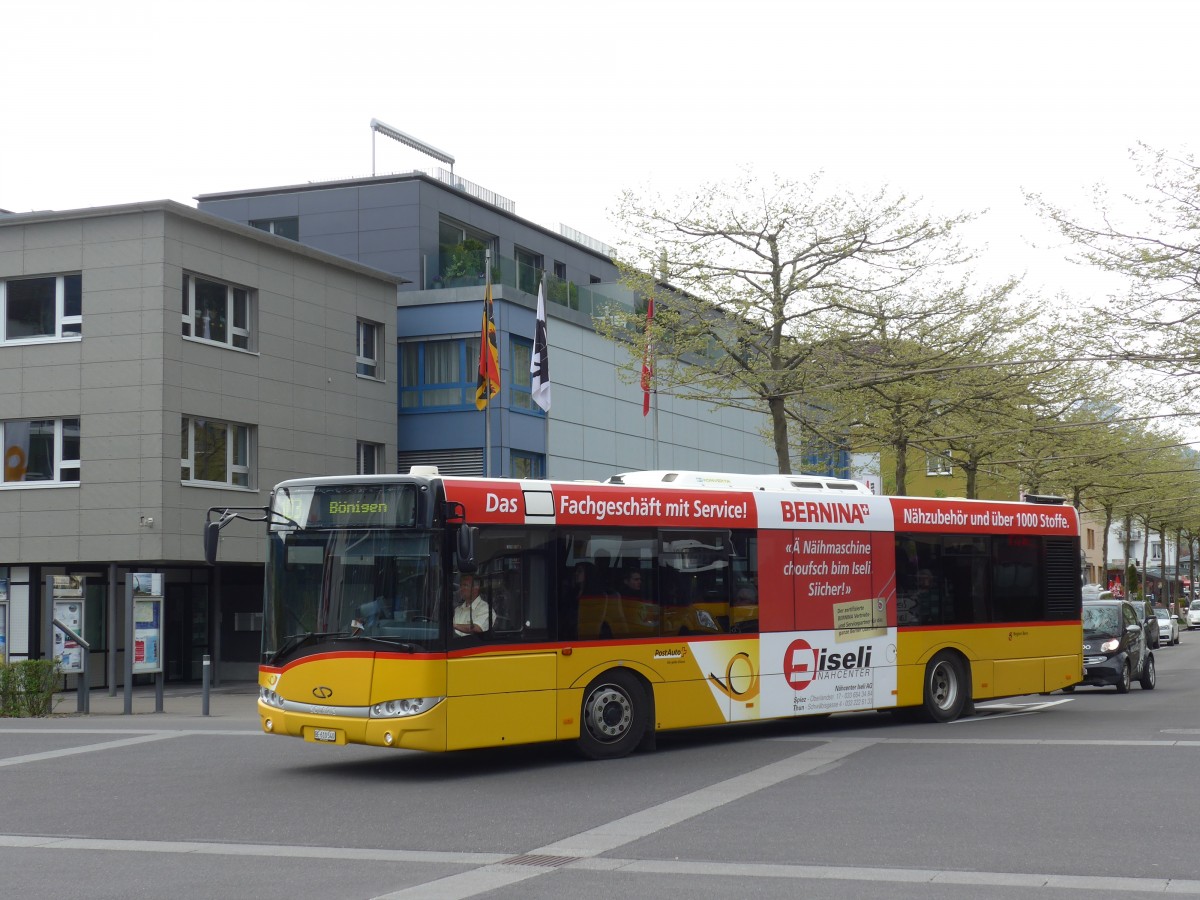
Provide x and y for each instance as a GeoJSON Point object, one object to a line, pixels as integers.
{"type": "Point", "coordinates": [1048, 796]}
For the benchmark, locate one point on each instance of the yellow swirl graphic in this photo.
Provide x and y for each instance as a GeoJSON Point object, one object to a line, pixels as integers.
{"type": "Point", "coordinates": [726, 687]}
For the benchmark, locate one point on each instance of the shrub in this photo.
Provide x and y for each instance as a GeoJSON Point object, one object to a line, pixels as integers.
{"type": "Point", "coordinates": [27, 687]}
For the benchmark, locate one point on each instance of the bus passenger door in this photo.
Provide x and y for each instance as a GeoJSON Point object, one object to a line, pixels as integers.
{"type": "Point", "coordinates": [501, 683]}
{"type": "Point", "coordinates": [500, 696]}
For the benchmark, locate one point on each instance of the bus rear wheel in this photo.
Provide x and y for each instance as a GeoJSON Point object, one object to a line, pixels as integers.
{"type": "Point", "coordinates": [947, 692]}
{"type": "Point", "coordinates": [614, 716]}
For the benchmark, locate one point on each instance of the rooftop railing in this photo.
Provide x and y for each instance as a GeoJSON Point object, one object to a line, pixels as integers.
{"type": "Point", "coordinates": [591, 299]}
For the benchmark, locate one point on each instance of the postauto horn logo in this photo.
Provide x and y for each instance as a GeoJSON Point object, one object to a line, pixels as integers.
{"type": "Point", "coordinates": [322, 692]}
{"type": "Point", "coordinates": [802, 663]}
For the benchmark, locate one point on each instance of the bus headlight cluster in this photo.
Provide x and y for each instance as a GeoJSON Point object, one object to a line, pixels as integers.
{"type": "Point", "coordinates": [398, 709]}
{"type": "Point", "coordinates": [269, 697]}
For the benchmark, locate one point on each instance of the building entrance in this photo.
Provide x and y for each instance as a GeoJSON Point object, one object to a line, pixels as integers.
{"type": "Point", "coordinates": [187, 629]}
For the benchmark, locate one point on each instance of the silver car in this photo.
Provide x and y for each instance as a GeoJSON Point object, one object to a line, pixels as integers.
{"type": "Point", "coordinates": [1193, 615]}
{"type": "Point", "coordinates": [1168, 625]}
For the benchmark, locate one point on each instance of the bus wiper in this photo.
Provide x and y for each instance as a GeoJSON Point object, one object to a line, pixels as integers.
{"type": "Point", "coordinates": [295, 641]}
{"type": "Point", "coordinates": [388, 642]}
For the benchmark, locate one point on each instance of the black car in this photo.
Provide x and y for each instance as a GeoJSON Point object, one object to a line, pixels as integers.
{"type": "Point", "coordinates": [1116, 649]}
{"type": "Point", "coordinates": [1145, 614]}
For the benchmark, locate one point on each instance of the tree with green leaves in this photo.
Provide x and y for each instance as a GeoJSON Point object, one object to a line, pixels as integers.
{"type": "Point", "coordinates": [762, 276]}
{"type": "Point", "coordinates": [1154, 242]}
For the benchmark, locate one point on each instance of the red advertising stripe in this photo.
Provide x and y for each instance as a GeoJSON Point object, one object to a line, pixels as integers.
{"type": "Point", "coordinates": [983, 517]}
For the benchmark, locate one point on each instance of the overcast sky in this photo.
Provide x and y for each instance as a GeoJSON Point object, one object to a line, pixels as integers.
{"type": "Point", "coordinates": [560, 106]}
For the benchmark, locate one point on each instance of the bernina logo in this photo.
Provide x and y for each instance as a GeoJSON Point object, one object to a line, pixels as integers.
{"type": "Point", "coordinates": [322, 693]}
{"type": "Point", "coordinates": [831, 513]}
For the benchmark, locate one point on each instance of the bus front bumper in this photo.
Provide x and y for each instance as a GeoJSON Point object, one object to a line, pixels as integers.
{"type": "Point", "coordinates": [424, 731]}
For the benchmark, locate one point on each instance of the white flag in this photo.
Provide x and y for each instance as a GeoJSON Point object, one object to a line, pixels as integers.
{"type": "Point", "coordinates": [539, 363]}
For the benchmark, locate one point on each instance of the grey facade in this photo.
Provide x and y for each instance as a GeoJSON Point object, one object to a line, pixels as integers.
{"type": "Point", "coordinates": [140, 422]}
{"type": "Point", "coordinates": [405, 224]}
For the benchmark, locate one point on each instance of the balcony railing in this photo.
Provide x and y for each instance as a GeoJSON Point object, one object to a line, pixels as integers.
{"type": "Point", "coordinates": [591, 299]}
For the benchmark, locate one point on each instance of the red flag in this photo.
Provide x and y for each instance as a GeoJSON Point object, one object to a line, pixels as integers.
{"type": "Point", "coordinates": [648, 360]}
{"type": "Point", "coordinates": [489, 356]}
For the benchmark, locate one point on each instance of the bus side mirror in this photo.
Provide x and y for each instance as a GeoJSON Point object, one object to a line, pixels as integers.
{"type": "Point", "coordinates": [212, 534]}
{"type": "Point", "coordinates": [466, 548]}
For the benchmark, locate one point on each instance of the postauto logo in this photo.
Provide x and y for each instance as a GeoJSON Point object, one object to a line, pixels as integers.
{"type": "Point", "coordinates": [803, 664]}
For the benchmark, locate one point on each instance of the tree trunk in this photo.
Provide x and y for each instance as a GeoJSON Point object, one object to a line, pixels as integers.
{"type": "Point", "coordinates": [901, 468]}
{"type": "Point", "coordinates": [783, 455]}
{"type": "Point", "coordinates": [1108, 518]}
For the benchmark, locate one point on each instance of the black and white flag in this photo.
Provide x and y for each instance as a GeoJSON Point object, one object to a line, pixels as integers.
{"type": "Point", "coordinates": [539, 362]}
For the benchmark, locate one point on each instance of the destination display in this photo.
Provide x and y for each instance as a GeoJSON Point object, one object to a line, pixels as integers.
{"type": "Point", "coordinates": [347, 506]}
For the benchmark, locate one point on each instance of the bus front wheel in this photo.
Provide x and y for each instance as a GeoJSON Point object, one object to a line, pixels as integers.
{"type": "Point", "coordinates": [946, 689]}
{"type": "Point", "coordinates": [614, 716]}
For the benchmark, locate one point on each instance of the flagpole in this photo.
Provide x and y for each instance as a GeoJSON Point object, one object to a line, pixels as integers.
{"type": "Point", "coordinates": [487, 410]}
{"type": "Point", "coordinates": [654, 397]}
{"type": "Point", "coordinates": [546, 421]}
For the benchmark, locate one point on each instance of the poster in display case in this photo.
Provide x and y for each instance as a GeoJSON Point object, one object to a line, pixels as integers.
{"type": "Point", "coordinates": [147, 623]}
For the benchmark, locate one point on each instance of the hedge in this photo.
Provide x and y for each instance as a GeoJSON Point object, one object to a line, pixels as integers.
{"type": "Point", "coordinates": [27, 687]}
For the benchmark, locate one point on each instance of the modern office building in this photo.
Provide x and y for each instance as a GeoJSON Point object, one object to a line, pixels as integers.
{"type": "Point", "coordinates": [158, 361]}
{"type": "Point", "coordinates": [434, 231]}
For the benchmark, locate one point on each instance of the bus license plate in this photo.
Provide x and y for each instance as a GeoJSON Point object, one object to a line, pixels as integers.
{"type": "Point", "coordinates": [325, 734]}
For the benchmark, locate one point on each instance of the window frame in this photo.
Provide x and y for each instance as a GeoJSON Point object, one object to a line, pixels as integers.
{"type": "Point", "coordinates": [413, 394]}
{"type": "Point", "coordinates": [244, 441]}
{"type": "Point", "coordinates": [536, 461]}
{"type": "Point", "coordinates": [939, 464]}
{"type": "Point", "coordinates": [246, 332]}
{"type": "Point", "coordinates": [368, 361]}
{"type": "Point", "coordinates": [272, 226]}
{"type": "Point", "coordinates": [520, 382]}
{"type": "Point", "coordinates": [62, 464]}
{"type": "Point", "coordinates": [67, 326]}
{"type": "Point", "coordinates": [365, 450]}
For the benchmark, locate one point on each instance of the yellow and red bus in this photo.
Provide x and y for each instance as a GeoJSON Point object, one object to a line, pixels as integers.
{"type": "Point", "coordinates": [612, 611]}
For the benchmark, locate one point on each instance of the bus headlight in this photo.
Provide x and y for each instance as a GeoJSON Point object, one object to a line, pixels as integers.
{"type": "Point", "coordinates": [398, 709]}
{"type": "Point", "coordinates": [269, 697]}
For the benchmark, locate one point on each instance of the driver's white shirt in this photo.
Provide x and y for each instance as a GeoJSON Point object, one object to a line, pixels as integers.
{"type": "Point", "coordinates": [477, 612]}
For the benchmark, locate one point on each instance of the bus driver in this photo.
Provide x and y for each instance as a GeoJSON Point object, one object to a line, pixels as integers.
{"type": "Point", "coordinates": [472, 615]}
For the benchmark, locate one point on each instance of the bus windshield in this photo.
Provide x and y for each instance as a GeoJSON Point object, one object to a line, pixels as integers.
{"type": "Point", "coordinates": [351, 584]}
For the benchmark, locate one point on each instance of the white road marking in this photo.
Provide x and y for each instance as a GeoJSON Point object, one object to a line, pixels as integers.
{"type": "Point", "coordinates": [88, 748]}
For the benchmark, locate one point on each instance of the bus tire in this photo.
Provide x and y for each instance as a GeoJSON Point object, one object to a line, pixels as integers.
{"type": "Point", "coordinates": [947, 691]}
{"type": "Point", "coordinates": [614, 716]}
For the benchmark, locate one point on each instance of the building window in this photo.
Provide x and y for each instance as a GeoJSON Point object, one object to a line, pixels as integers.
{"type": "Point", "coordinates": [288, 227]}
{"type": "Point", "coordinates": [1155, 550]}
{"type": "Point", "coordinates": [217, 312]}
{"type": "Point", "coordinates": [938, 464]}
{"type": "Point", "coordinates": [462, 253]}
{"type": "Point", "coordinates": [48, 307]}
{"type": "Point", "coordinates": [529, 269]}
{"type": "Point", "coordinates": [1091, 538]}
{"type": "Point", "coordinates": [528, 465]}
{"type": "Point", "coordinates": [521, 385]}
{"type": "Point", "coordinates": [40, 451]}
{"type": "Point", "coordinates": [439, 374]}
{"type": "Point", "coordinates": [560, 270]}
{"type": "Point", "coordinates": [368, 458]}
{"type": "Point", "coordinates": [215, 452]}
{"type": "Point", "coordinates": [368, 361]}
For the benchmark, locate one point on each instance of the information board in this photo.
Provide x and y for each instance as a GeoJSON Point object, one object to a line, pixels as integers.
{"type": "Point", "coordinates": [147, 622]}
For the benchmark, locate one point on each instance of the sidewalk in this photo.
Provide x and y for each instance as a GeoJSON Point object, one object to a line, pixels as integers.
{"type": "Point", "coordinates": [235, 700]}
